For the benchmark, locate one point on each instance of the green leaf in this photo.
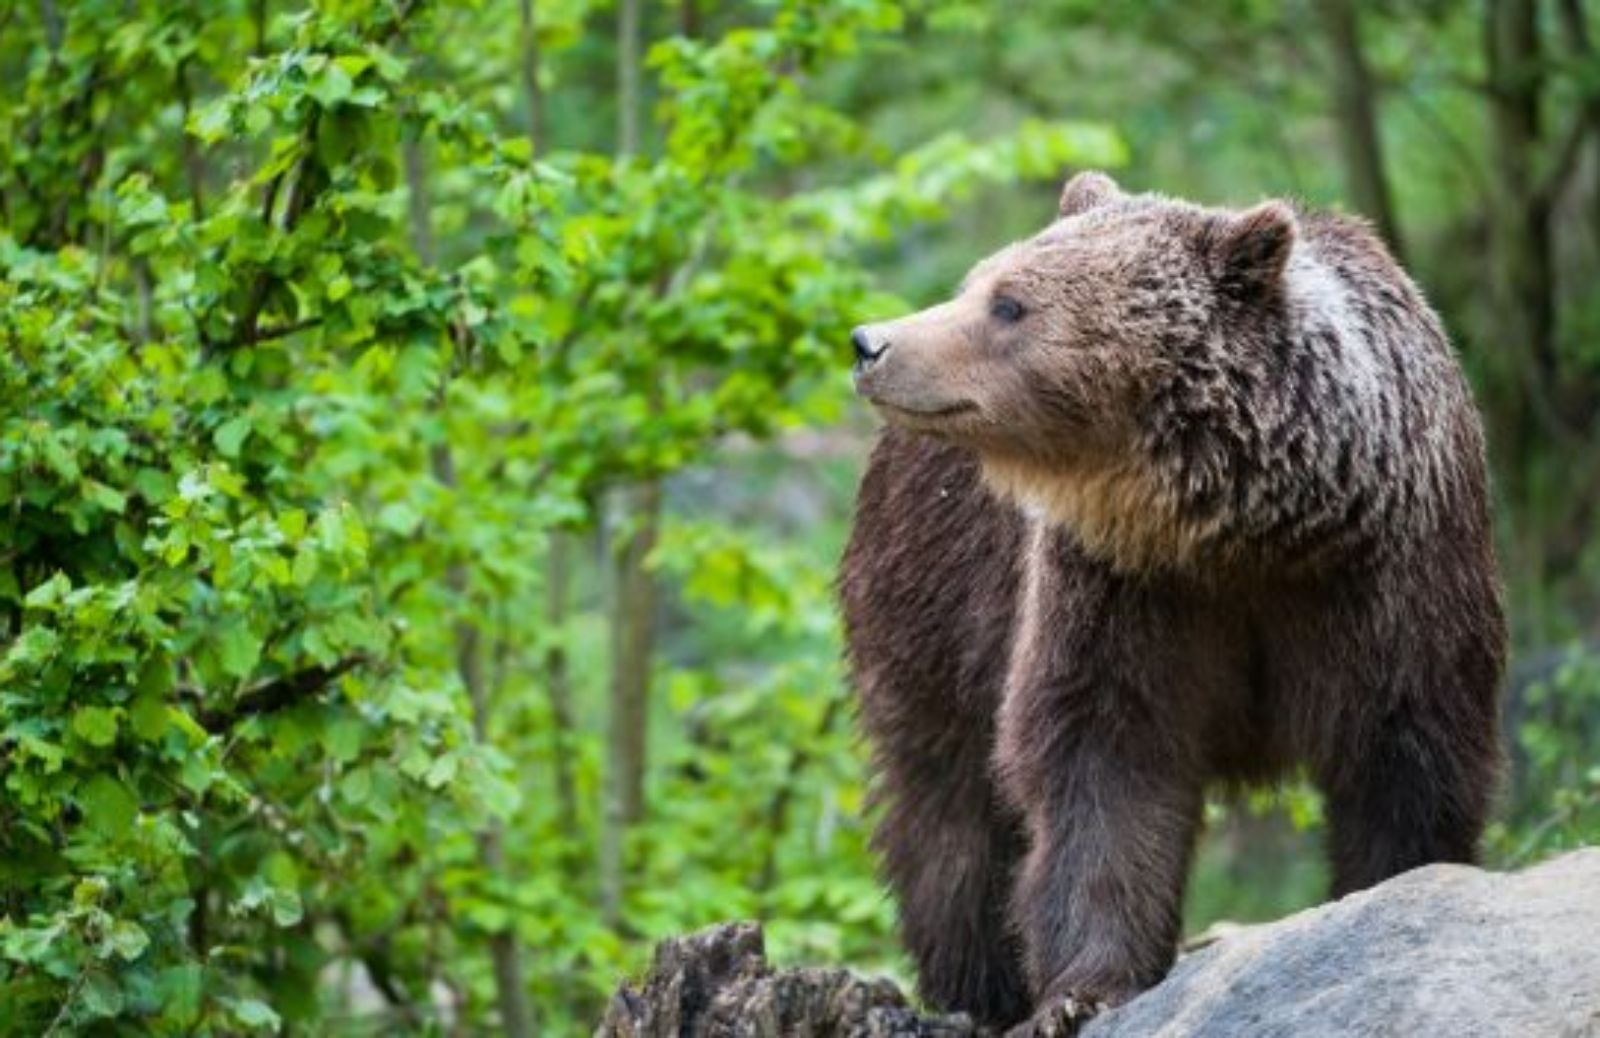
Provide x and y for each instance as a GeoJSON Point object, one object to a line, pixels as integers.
{"type": "Point", "coordinates": [400, 518]}
{"type": "Point", "coordinates": [304, 570]}
{"type": "Point", "coordinates": [89, 891]}
{"type": "Point", "coordinates": [489, 917]}
{"type": "Point", "coordinates": [36, 645]}
{"type": "Point", "coordinates": [108, 807]}
{"type": "Point", "coordinates": [148, 716]}
{"type": "Point", "coordinates": [441, 771]}
{"type": "Point", "coordinates": [230, 436]}
{"type": "Point", "coordinates": [353, 64]}
{"type": "Point", "coordinates": [127, 939]}
{"type": "Point", "coordinates": [332, 85]}
{"type": "Point", "coordinates": [95, 725]}
{"type": "Point", "coordinates": [101, 996]}
{"type": "Point", "coordinates": [343, 738]}
{"type": "Point", "coordinates": [48, 594]}
{"type": "Point", "coordinates": [212, 121]}
{"type": "Point", "coordinates": [197, 773]}
{"type": "Point", "coordinates": [157, 676]}
{"type": "Point", "coordinates": [292, 524]}
{"type": "Point", "coordinates": [356, 786]}
{"type": "Point", "coordinates": [254, 1013]}
{"type": "Point", "coordinates": [177, 991]}
{"type": "Point", "coordinates": [238, 650]}
{"type": "Point", "coordinates": [106, 497]}
{"type": "Point", "coordinates": [285, 906]}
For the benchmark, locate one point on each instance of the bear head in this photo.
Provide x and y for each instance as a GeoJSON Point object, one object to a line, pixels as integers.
{"type": "Point", "coordinates": [1090, 365]}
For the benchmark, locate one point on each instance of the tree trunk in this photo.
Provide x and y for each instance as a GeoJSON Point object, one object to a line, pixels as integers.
{"type": "Point", "coordinates": [511, 995]}
{"type": "Point", "coordinates": [558, 679]}
{"type": "Point", "coordinates": [530, 75]}
{"type": "Point", "coordinates": [1356, 113]}
{"type": "Point", "coordinates": [633, 644]}
{"type": "Point", "coordinates": [258, 18]}
{"type": "Point", "coordinates": [632, 648]}
{"type": "Point", "coordinates": [194, 167]}
{"type": "Point", "coordinates": [55, 27]}
{"type": "Point", "coordinates": [505, 954]}
{"type": "Point", "coordinates": [633, 602]}
{"type": "Point", "coordinates": [1522, 318]}
{"type": "Point", "coordinates": [628, 46]}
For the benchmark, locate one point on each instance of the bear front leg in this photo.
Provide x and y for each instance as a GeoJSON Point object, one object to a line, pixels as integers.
{"type": "Point", "coordinates": [1112, 809]}
{"type": "Point", "coordinates": [949, 848]}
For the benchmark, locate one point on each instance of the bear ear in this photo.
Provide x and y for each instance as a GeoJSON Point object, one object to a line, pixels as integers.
{"type": "Point", "coordinates": [1085, 191]}
{"type": "Point", "coordinates": [1249, 251]}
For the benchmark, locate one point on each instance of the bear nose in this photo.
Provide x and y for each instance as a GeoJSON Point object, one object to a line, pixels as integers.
{"type": "Point", "coordinates": [866, 352]}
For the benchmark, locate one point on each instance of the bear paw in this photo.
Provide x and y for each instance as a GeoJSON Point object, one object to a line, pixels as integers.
{"type": "Point", "coordinates": [1060, 1018]}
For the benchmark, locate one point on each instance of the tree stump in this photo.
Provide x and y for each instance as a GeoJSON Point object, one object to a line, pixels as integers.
{"type": "Point", "coordinates": [717, 984]}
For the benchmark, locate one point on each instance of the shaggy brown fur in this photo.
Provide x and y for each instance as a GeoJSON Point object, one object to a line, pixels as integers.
{"type": "Point", "coordinates": [1170, 497]}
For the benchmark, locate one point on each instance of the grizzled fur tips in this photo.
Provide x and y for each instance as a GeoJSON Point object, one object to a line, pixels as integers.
{"type": "Point", "coordinates": [1170, 497]}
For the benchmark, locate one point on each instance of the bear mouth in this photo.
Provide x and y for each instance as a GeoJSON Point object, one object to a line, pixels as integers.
{"type": "Point", "coordinates": [924, 414]}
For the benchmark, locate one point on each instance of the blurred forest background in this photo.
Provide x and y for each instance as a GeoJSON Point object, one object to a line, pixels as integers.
{"type": "Point", "coordinates": [426, 439]}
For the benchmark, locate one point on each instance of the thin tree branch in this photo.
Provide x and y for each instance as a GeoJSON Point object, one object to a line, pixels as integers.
{"type": "Point", "coordinates": [531, 89]}
{"type": "Point", "coordinates": [558, 678]}
{"type": "Point", "coordinates": [778, 807]}
{"type": "Point", "coordinates": [283, 331]}
{"type": "Point", "coordinates": [280, 693]}
{"type": "Point", "coordinates": [1426, 115]}
{"type": "Point", "coordinates": [244, 333]}
{"type": "Point", "coordinates": [628, 48]}
{"type": "Point", "coordinates": [1586, 121]}
{"type": "Point", "coordinates": [193, 162]}
{"type": "Point", "coordinates": [55, 28]}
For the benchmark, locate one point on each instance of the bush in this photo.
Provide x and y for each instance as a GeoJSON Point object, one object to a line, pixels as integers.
{"type": "Point", "coordinates": [310, 363]}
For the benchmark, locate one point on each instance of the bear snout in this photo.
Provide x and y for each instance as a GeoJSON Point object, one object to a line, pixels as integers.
{"type": "Point", "coordinates": [903, 369]}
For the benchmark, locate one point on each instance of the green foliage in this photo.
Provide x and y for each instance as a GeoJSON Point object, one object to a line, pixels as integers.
{"type": "Point", "coordinates": [1555, 798]}
{"type": "Point", "coordinates": [329, 328]}
{"type": "Point", "coordinates": [307, 358]}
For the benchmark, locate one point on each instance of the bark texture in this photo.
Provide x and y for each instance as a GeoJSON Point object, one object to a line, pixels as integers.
{"type": "Point", "coordinates": [717, 984]}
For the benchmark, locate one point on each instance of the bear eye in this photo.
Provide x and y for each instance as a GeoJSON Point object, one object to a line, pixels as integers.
{"type": "Point", "coordinates": [1006, 309]}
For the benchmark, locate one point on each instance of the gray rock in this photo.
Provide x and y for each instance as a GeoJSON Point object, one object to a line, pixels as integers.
{"type": "Point", "coordinates": [1446, 950]}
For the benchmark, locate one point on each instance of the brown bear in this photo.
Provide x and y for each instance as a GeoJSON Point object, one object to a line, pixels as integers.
{"type": "Point", "coordinates": [1170, 497]}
